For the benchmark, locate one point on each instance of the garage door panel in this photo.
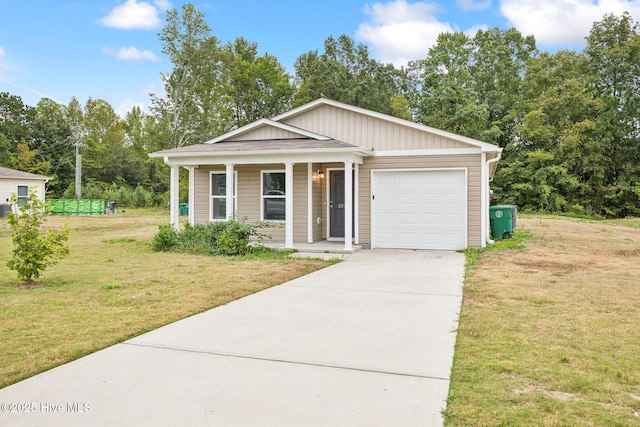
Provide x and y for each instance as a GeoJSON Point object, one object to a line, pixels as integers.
{"type": "Point", "coordinates": [423, 209]}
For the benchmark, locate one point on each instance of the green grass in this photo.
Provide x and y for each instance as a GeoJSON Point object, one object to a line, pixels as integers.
{"type": "Point", "coordinates": [548, 332]}
{"type": "Point", "coordinates": [112, 287]}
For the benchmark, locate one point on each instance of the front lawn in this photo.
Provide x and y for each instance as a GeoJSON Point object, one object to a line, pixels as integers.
{"type": "Point", "coordinates": [112, 287]}
{"type": "Point", "coordinates": [550, 335]}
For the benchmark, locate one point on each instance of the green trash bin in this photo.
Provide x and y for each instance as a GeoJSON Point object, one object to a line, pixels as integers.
{"type": "Point", "coordinates": [503, 221]}
{"type": "Point", "coordinates": [184, 208]}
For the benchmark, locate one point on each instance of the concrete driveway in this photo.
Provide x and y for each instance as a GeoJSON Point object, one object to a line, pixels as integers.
{"type": "Point", "coordinates": [367, 342]}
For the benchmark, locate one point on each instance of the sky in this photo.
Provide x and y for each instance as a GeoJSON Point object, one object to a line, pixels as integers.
{"type": "Point", "coordinates": [109, 49]}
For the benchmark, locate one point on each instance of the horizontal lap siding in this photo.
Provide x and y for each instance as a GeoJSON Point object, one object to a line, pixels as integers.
{"type": "Point", "coordinates": [474, 190]}
{"type": "Point", "coordinates": [369, 132]}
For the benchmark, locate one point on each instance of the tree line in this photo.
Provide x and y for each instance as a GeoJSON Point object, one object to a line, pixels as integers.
{"type": "Point", "coordinates": [568, 121]}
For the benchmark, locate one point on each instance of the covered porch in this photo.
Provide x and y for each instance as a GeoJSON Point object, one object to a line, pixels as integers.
{"type": "Point", "coordinates": [301, 205]}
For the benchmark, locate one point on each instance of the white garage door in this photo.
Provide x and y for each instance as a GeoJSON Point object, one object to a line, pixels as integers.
{"type": "Point", "coordinates": [419, 209]}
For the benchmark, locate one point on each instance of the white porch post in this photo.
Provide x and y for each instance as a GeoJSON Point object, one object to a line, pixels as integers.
{"type": "Point", "coordinates": [230, 191]}
{"type": "Point", "coordinates": [348, 205]}
{"type": "Point", "coordinates": [309, 202]}
{"type": "Point", "coordinates": [356, 206]}
{"type": "Point", "coordinates": [288, 185]}
{"type": "Point", "coordinates": [174, 197]}
{"type": "Point", "coordinates": [484, 200]}
{"type": "Point", "coordinates": [192, 194]}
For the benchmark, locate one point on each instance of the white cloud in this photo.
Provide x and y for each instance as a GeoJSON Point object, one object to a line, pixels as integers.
{"type": "Point", "coordinates": [126, 105]}
{"type": "Point", "coordinates": [133, 15]}
{"type": "Point", "coordinates": [557, 22]}
{"type": "Point", "coordinates": [467, 5]}
{"type": "Point", "coordinates": [131, 54]}
{"type": "Point", "coordinates": [163, 4]}
{"type": "Point", "coordinates": [3, 52]}
{"type": "Point", "coordinates": [401, 31]}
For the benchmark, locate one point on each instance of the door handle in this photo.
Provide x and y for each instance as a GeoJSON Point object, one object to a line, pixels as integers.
{"type": "Point", "coordinates": [340, 206]}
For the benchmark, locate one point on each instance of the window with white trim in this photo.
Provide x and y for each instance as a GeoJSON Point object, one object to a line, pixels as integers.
{"type": "Point", "coordinates": [273, 196]}
{"type": "Point", "coordinates": [218, 206]}
{"type": "Point", "coordinates": [23, 192]}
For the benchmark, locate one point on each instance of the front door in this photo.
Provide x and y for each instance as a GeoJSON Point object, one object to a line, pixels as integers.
{"type": "Point", "coordinates": [336, 203]}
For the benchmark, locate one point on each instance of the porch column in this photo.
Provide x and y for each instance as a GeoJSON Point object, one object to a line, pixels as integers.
{"type": "Point", "coordinates": [348, 205]}
{"type": "Point", "coordinates": [174, 197]}
{"type": "Point", "coordinates": [356, 205]}
{"type": "Point", "coordinates": [230, 191]}
{"type": "Point", "coordinates": [192, 194]}
{"type": "Point", "coordinates": [288, 185]}
{"type": "Point", "coordinates": [309, 202]}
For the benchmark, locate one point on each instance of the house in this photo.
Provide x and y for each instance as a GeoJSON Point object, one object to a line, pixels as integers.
{"type": "Point", "coordinates": [326, 170]}
{"type": "Point", "coordinates": [18, 182]}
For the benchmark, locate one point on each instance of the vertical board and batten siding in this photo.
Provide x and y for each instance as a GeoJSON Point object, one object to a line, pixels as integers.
{"type": "Point", "coordinates": [474, 191]}
{"type": "Point", "coordinates": [300, 206]}
{"type": "Point", "coordinates": [369, 132]}
{"type": "Point", "coordinates": [265, 132]}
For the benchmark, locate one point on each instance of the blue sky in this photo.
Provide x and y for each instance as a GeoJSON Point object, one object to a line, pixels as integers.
{"type": "Point", "coordinates": [109, 49]}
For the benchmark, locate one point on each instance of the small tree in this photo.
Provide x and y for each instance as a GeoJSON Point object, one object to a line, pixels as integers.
{"type": "Point", "coordinates": [33, 249]}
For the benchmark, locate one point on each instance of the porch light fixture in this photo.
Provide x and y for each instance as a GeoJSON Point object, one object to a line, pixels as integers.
{"type": "Point", "coordinates": [320, 174]}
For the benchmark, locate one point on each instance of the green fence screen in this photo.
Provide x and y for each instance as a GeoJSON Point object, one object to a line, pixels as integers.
{"type": "Point", "coordinates": [76, 207]}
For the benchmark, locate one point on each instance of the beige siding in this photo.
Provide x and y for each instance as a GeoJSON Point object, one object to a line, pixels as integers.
{"type": "Point", "coordinates": [249, 193]}
{"type": "Point", "coordinates": [318, 192]}
{"type": "Point", "coordinates": [9, 186]}
{"type": "Point", "coordinates": [369, 132]}
{"type": "Point", "coordinates": [265, 132]}
{"type": "Point", "coordinates": [474, 191]}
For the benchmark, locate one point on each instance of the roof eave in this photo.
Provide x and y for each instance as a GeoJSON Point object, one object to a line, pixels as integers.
{"type": "Point", "coordinates": [254, 153]}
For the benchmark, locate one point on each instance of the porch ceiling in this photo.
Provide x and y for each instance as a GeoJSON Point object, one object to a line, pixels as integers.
{"type": "Point", "coordinates": [300, 150]}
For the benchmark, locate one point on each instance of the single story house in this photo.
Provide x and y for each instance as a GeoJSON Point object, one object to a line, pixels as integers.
{"type": "Point", "coordinates": [18, 182]}
{"type": "Point", "coordinates": [326, 170]}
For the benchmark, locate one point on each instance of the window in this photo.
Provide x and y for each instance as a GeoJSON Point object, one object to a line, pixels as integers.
{"type": "Point", "coordinates": [23, 192]}
{"type": "Point", "coordinates": [273, 196]}
{"type": "Point", "coordinates": [219, 195]}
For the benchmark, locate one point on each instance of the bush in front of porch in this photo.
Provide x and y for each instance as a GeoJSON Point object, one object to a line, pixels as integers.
{"type": "Point", "coordinates": [230, 237]}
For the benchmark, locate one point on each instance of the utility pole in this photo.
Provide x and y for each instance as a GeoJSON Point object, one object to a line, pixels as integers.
{"type": "Point", "coordinates": [78, 144]}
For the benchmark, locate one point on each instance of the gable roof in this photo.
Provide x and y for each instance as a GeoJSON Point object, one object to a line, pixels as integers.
{"type": "Point", "coordinates": [267, 122]}
{"type": "Point", "coordinates": [484, 146]}
{"type": "Point", "coordinates": [6, 173]}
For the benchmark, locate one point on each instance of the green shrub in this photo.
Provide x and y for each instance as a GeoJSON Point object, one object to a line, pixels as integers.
{"type": "Point", "coordinates": [230, 237]}
{"type": "Point", "coordinates": [33, 249]}
{"type": "Point", "coordinates": [165, 239]}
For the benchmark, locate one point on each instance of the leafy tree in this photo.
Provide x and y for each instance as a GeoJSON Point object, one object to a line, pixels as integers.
{"type": "Point", "coordinates": [34, 250]}
{"type": "Point", "coordinates": [613, 59]}
{"type": "Point", "coordinates": [51, 134]}
{"type": "Point", "coordinates": [15, 118]}
{"type": "Point", "coordinates": [142, 136]}
{"type": "Point", "coordinates": [448, 98]}
{"type": "Point", "coordinates": [187, 109]}
{"type": "Point", "coordinates": [499, 61]}
{"type": "Point", "coordinates": [6, 152]}
{"type": "Point", "coordinates": [345, 72]}
{"type": "Point", "coordinates": [254, 86]}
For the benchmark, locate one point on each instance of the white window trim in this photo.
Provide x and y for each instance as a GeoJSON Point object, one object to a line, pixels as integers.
{"type": "Point", "coordinates": [262, 172]}
{"type": "Point", "coordinates": [223, 196]}
{"type": "Point", "coordinates": [18, 197]}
